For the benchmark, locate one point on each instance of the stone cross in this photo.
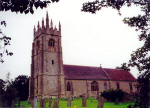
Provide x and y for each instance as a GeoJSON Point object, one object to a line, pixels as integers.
{"type": "Point", "coordinates": [117, 101]}
{"type": "Point", "coordinates": [35, 102]}
{"type": "Point", "coordinates": [83, 102]}
{"type": "Point", "coordinates": [100, 102]}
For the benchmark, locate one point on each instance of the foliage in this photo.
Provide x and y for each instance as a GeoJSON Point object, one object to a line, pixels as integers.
{"type": "Point", "coordinates": [6, 42]}
{"type": "Point", "coordinates": [139, 58]}
{"type": "Point", "coordinates": [18, 6]}
{"type": "Point", "coordinates": [13, 90]}
{"type": "Point", "coordinates": [25, 6]}
{"type": "Point", "coordinates": [21, 83]}
{"type": "Point", "coordinates": [112, 94]}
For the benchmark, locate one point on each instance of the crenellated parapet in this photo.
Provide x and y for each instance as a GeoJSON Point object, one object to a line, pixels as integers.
{"type": "Point", "coordinates": [47, 29]}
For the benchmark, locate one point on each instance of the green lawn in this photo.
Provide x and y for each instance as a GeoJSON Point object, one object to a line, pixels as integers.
{"type": "Point", "coordinates": [91, 103]}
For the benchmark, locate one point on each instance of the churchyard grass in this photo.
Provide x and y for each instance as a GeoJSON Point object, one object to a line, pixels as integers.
{"type": "Point", "coordinates": [91, 103]}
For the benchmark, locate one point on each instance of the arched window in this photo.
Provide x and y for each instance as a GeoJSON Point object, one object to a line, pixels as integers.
{"type": "Point", "coordinates": [94, 86]}
{"type": "Point", "coordinates": [130, 85]}
{"type": "Point", "coordinates": [105, 86]}
{"type": "Point", "coordinates": [51, 43]}
{"type": "Point", "coordinates": [117, 84]}
{"type": "Point", "coordinates": [38, 44]}
{"type": "Point", "coordinates": [68, 86]}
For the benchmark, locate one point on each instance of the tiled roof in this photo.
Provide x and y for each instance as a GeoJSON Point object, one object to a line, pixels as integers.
{"type": "Point", "coordinates": [118, 74]}
{"type": "Point", "coordinates": [84, 72]}
{"type": "Point", "coordinates": [88, 72]}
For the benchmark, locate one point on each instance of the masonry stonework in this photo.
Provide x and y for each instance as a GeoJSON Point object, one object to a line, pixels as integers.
{"type": "Point", "coordinates": [51, 79]}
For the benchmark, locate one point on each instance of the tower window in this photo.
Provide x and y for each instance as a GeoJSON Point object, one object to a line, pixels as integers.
{"type": "Point", "coordinates": [52, 61]}
{"type": "Point", "coordinates": [38, 44]}
{"type": "Point", "coordinates": [130, 85]}
{"type": "Point", "coordinates": [94, 86]}
{"type": "Point", "coordinates": [68, 86]}
{"type": "Point", "coordinates": [51, 43]}
{"type": "Point", "coordinates": [105, 86]}
{"type": "Point", "coordinates": [117, 84]}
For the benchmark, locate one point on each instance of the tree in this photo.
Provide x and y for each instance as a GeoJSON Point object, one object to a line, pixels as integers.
{"type": "Point", "coordinates": [6, 42]}
{"type": "Point", "coordinates": [139, 58]}
{"type": "Point", "coordinates": [20, 6]}
{"type": "Point", "coordinates": [21, 83]}
{"type": "Point", "coordinates": [9, 92]}
{"type": "Point", "coordinates": [2, 90]}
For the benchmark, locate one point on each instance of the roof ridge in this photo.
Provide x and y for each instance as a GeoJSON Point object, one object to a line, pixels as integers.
{"type": "Point", "coordinates": [80, 65]}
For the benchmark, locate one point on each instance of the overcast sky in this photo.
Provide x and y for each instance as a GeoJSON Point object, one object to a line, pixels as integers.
{"type": "Point", "coordinates": [87, 39]}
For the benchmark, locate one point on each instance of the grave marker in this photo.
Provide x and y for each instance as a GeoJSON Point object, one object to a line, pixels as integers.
{"type": "Point", "coordinates": [83, 101]}
{"type": "Point", "coordinates": [100, 102]}
{"type": "Point", "coordinates": [50, 103]}
{"type": "Point", "coordinates": [117, 101]}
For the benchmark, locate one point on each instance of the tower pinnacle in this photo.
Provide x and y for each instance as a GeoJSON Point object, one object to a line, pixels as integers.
{"type": "Point", "coordinates": [47, 20]}
{"type": "Point", "coordinates": [51, 24]}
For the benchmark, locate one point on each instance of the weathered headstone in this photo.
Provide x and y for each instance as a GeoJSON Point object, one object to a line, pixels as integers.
{"type": "Point", "coordinates": [13, 104]}
{"type": "Point", "coordinates": [50, 103]}
{"type": "Point", "coordinates": [56, 104]}
{"type": "Point", "coordinates": [117, 101]}
{"type": "Point", "coordinates": [83, 102]}
{"type": "Point", "coordinates": [29, 102]}
{"type": "Point", "coordinates": [18, 103]}
{"type": "Point", "coordinates": [69, 102]}
{"type": "Point", "coordinates": [42, 103]}
{"type": "Point", "coordinates": [32, 104]}
{"type": "Point", "coordinates": [131, 98]}
{"type": "Point", "coordinates": [22, 106]}
{"type": "Point", "coordinates": [100, 102]}
{"type": "Point", "coordinates": [35, 102]}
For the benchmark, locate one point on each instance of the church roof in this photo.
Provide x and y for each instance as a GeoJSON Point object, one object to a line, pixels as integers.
{"type": "Point", "coordinates": [118, 74]}
{"type": "Point", "coordinates": [96, 73]}
{"type": "Point", "coordinates": [84, 72]}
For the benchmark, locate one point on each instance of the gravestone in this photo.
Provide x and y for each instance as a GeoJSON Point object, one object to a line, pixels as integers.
{"type": "Point", "coordinates": [125, 98]}
{"type": "Point", "coordinates": [29, 102]}
{"type": "Point", "coordinates": [117, 101]}
{"type": "Point", "coordinates": [50, 103]}
{"type": "Point", "coordinates": [32, 104]}
{"type": "Point", "coordinates": [42, 103]}
{"type": "Point", "coordinates": [100, 102]}
{"type": "Point", "coordinates": [131, 98]}
{"type": "Point", "coordinates": [83, 101]}
{"type": "Point", "coordinates": [18, 103]}
{"type": "Point", "coordinates": [69, 102]}
{"type": "Point", "coordinates": [13, 104]}
{"type": "Point", "coordinates": [35, 102]}
{"type": "Point", "coordinates": [22, 106]}
{"type": "Point", "coordinates": [56, 104]}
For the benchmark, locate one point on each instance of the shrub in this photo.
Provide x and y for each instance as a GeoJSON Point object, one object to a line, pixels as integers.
{"type": "Point", "coordinates": [112, 94]}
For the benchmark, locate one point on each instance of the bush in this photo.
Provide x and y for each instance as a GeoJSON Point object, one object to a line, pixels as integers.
{"type": "Point", "coordinates": [112, 94]}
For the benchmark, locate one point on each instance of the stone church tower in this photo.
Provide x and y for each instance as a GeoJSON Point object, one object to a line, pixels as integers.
{"type": "Point", "coordinates": [47, 76]}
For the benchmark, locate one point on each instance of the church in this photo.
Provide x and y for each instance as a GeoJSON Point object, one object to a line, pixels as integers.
{"type": "Point", "coordinates": [50, 78]}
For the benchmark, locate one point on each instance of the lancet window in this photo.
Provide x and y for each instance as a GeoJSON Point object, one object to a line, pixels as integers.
{"type": "Point", "coordinates": [51, 43]}
{"type": "Point", "coordinates": [105, 86]}
{"type": "Point", "coordinates": [94, 86]}
{"type": "Point", "coordinates": [68, 86]}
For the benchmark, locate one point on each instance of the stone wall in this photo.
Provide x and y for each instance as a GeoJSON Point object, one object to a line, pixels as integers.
{"type": "Point", "coordinates": [81, 87]}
